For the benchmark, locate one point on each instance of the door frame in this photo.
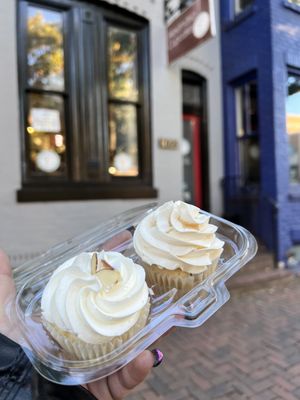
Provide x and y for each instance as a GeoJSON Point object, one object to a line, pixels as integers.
{"type": "Point", "coordinates": [196, 155]}
{"type": "Point", "coordinates": [191, 78]}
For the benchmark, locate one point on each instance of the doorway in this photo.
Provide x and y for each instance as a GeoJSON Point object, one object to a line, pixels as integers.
{"type": "Point", "coordinates": [195, 142]}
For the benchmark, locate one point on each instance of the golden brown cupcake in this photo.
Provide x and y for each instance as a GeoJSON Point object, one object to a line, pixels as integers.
{"type": "Point", "coordinates": [178, 247]}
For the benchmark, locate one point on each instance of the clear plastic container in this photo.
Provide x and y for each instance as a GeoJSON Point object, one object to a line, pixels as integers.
{"type": "Point", "coordinates": [190, 311]}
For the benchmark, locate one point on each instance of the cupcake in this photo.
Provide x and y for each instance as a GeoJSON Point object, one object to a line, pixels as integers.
{"type": "Point", "coordinates": [94, 302]}
{"type": "Point", "coordinates": [178, 247]}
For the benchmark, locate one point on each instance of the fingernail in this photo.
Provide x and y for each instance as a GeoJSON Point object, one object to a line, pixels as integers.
{"type": "Point", "coordinates": [158, 357]}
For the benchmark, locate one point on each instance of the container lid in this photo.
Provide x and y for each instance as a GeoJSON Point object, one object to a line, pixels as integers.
{"type": "Point", "coordinates": [190, 310]}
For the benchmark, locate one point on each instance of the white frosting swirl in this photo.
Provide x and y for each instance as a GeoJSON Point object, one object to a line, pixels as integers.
{"type": "Point", "coordinates": [78, 301]}
{"type": "Point", "coordinates": [178, 235]}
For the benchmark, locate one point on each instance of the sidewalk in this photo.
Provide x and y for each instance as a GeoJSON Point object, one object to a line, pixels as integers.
{"type": "Point", "coordinates": [259, 273]}
{"type": "Point", "coordinates": [250, 349]}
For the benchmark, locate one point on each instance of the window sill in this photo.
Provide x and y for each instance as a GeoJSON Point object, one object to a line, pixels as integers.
{"type": "Point", "coordinates": [237, 19]}
{"type": "Point", "coordinates": [33, 194]}
{"type": "Point", "coordinates": [291, 6]}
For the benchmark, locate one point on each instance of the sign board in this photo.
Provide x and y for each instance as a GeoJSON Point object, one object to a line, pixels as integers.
{"type": "Point", "coordinates": [167, 144]}
{"type": "Point", "coordinates": [188, 26]}
{"type": "Point", "coordinates": [45, 120]}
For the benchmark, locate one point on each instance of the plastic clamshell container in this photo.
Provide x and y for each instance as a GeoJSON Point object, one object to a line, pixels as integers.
{"type": "Point", "coordinates": [190, 311]}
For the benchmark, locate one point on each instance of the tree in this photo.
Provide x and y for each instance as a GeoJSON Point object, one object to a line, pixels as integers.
{"type": "Point", "coordinates": [45, 52]}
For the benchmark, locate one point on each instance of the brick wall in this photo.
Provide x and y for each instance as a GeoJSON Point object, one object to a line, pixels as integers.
{"type": "Point", "coordinates": [286, 53]}
{"type": "Point", "coordinates": [265, 39]}
{"type": "Point", "coordinates": [246, 49]}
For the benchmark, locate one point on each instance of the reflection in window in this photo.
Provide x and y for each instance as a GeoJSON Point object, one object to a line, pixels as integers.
{"type": "Point", "coordinates": [249, 159]}
{"type": "Point", "coordinates": [246, 108]}
{"type": "Point", "coordinates": [247, 132]}
{"type": "Point", "coordinates": [297, 2]}
{"type": "Point", "coordinates": [241, 5]}
{"type": "Point", "coordinates": [191, 95]}
{"type": "Point", "coordinates": [122, 45]}
{"type": "Point", "coordinates": [123, 102]}
{"type": "Point", "coordinates": [45, 56]}
{"type": "Point", "coordinates": [293, 126]}
{"type": "Point", "coordinates": [123, 140]}
{"type": "Point", "coordinates": [46, 135]}
{"type": "Point", "coordinates": [173, 8]}
{"type": "Point", "coordinates": [191, 162]}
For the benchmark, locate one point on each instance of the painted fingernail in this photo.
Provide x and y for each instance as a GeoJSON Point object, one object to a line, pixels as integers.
{"type": "Point", "coordinates": [158, 357]}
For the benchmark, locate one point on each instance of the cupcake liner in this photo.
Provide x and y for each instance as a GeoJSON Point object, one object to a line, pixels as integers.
{"type": "Point", "coordinates": [164, 280]}
{"type": "Point", "coordinates": [86, 351]}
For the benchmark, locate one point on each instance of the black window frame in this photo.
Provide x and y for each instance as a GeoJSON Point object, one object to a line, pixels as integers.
{"type": "Point", "coordinates": [77, 186]}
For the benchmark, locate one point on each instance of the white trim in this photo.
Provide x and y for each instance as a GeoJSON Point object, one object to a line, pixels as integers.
{"type": "Point", "coordinates": [130, 7]}
{"type": "Point", "coordinates": [213, 28]}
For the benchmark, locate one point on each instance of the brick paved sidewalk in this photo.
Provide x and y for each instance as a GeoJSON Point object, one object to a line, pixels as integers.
{"type": "Point", "coordinates": [250, 349]}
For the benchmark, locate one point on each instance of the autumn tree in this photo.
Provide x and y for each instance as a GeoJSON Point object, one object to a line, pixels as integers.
{"type": "Point", "coordinates": [45, 51]}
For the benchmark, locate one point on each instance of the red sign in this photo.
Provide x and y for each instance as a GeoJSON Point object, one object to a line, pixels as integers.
{"type": "Point", "coordinates": [194, 26]}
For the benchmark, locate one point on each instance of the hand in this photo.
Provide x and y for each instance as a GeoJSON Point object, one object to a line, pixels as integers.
{"type": "Point", "coordinates": [113, 387]}
{"type": "Point", "coordinates": [119, 384]}
{"type": "Point", "coordinates": [7, 292]}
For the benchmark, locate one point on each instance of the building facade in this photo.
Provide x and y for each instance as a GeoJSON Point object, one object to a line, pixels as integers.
{"type": "Point", "coordinates": [260, 54]}
{"type": "Point", "coordinates": [88, 103]}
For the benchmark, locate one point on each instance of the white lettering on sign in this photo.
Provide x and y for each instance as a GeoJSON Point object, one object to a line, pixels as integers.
{"type": "Point", "coordinates": [182, 30]}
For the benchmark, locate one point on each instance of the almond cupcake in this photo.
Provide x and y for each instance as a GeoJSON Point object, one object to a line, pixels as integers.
{"type": "Point", "coordinates": [178, 247]}
{"type": "Point", "coordinates": [94, 302]}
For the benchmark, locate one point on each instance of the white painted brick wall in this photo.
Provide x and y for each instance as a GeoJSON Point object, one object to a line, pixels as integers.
{"type": "Point", "coordinates": [27, 229]}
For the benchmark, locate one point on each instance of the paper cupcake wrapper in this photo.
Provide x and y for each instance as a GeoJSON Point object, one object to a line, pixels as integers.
{"type": "Point", "coordinates": [87, 351]}
{"type": "Point", "coordinates": [162, 280]}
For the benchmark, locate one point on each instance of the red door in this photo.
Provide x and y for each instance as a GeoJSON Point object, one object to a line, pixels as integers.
{"type": "Point", "coordinates": [192, 186]}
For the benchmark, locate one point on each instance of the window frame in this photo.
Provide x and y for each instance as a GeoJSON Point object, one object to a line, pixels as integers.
{"type": "Point", "coordinates": [75, 187]}
{"type": "Point", "coordinates": [294, 187]}
{"type": "Point", "coordinates": [25, 89]}
{"type": "Point", "coordinates": [143, 102]}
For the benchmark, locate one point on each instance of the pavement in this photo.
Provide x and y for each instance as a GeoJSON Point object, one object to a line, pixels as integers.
{"type": "Point", "coordinates": [250, 349]}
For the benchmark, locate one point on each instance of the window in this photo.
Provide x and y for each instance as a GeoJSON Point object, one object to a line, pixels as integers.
{"type": "Point", "coordinates": [297, 2]}
{"type": "Point", "coordinates": [84, 90]}
{"type": "Point", "coordinates": [247, 132]}
{"type": "Point", "coordinates": [293, 126]}
{"type": "Point", "coordinates": [173, 8]}
{"type": "Point", "coordinates": [241, 5]}
{"type": "Point", "coordinates": [123, 102]}
{"type": "Point", "coordinates": [45, 94]}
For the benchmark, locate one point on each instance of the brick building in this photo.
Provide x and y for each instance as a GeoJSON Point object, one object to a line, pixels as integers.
{"type": "Point", "coordinates": [261, 86]}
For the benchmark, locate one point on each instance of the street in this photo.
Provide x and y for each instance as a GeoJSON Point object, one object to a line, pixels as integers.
{"type": "Point", "coordinates": [250, 349]}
